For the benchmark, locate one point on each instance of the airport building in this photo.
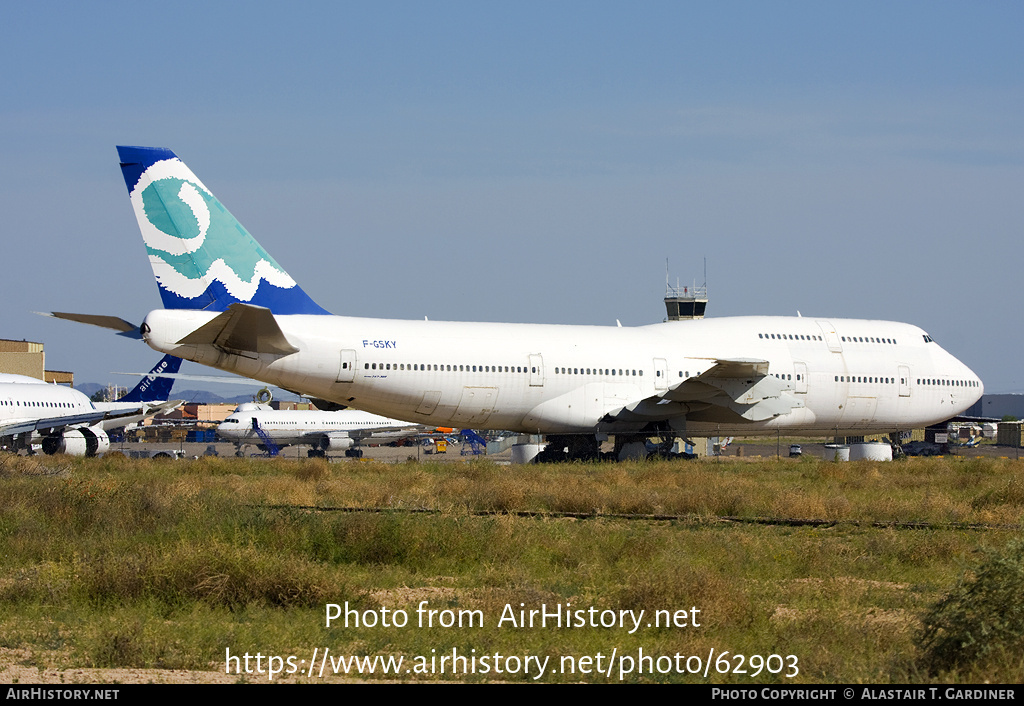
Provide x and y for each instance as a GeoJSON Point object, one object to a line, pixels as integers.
{"type": "Point", "coordinates": [28, 358]}
{"type": "Point", "coordinates": [998, 406]}
{"type": "Point", "coordinates": [200, 413]}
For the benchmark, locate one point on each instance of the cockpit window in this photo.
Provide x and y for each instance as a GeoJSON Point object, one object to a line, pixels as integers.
{"type": "Point", "coordinates": [928, 339]}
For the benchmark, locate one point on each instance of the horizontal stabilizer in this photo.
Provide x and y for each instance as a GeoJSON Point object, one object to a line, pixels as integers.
{"type": "Point", "coordinates": [125, 328]}
{"type": "Point", "coordinates": [236, 380]}
{"type": "Point", "coordinates": [243, 328]}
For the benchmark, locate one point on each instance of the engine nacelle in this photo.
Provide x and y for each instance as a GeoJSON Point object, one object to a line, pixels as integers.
{"type": "Point", "coordinates": [83, 441]}
{"type": "Point", "coordinates": [253, 407]}
{"type": "Point", "coordinates": [335, 441]}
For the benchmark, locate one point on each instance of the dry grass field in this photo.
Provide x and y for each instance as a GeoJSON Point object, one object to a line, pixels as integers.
{"type": "Point", "coordinates": [745, 572]}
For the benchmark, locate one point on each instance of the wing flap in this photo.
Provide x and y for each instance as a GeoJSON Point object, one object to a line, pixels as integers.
{"type": "Point", "coordinates": [740, 385]}
{"type": "Point", "coordinates": [727, 368]}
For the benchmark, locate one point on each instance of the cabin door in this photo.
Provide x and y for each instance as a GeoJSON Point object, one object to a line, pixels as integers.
{"type": "Point", "coordinates": [347, 366]}
{"type": "Point", "coordinates": [536, 370]}
{"type": "Point", "coordinates": [904, 381]}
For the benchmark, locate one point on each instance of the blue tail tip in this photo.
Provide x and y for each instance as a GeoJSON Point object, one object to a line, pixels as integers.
{"type": "Point", "coordinates": [136, 160]}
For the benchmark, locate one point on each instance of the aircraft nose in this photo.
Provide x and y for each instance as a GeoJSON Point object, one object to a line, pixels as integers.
{"type": "Point", "coordinates": [974, 383]}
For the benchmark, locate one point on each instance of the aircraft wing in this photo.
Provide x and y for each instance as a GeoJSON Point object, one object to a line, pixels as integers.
{"type": "Point", "coordinates": [733, 389]}
{"type": "Point", "coordinates": [726, 368]}
{"type": "Point", "coordinates": [154, 408]}
{"type": "Point", "coordinates": [116, 415]}
{"type": "Point", "coordinates": [394, 431]}
{"type": "Point", "coordinates": [50, 423]}
{"type": "Point", "coordinates": [391, 432]}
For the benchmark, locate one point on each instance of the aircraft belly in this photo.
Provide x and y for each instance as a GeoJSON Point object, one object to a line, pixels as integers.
{"type": "Point", "coordinates": [429, 402]}
{"type": "Point", "coordinates": [580, 409]}
{"type": "Point", "coordinates": [475, 406]}
{"type": "Point", "coordinates": [859, 412]}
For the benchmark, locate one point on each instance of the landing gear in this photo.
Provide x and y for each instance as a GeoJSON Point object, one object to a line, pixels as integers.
{"type": "Point", "coordinates": [896, 442]}
{"type": "Point", "coordinates": [663, 449]}
{"type": "Point", "coordinates": [570, 447]}
{"type": "Point", "coordinates": [586, 447]}
{"type": "Point", "coordinates": [630, 447]}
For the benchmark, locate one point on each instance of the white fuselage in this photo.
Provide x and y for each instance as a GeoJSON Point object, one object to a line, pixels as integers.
{"type": "Point", "coordinates": [24, 399]}
{"type": "Point", "coordinates": [286, 427]}
{"type": "Point", "coordinates": [839, 375]}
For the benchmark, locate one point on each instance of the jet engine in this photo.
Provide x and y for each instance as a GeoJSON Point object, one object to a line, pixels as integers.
{"type": "Point", "coordinates": [335, 441]}
{"type": "Point", "coordinates": [81, 441]}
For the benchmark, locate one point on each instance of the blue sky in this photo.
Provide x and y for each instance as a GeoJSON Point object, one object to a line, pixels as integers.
{"type": "Point", "coordinates": [531, 161]}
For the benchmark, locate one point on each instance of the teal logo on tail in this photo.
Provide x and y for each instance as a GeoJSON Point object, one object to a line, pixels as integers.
{"type": "Point", "coordinates": [201, 255]}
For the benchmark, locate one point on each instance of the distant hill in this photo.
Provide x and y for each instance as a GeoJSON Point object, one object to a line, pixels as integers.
{"type": "Point", "coordinates": [206, 397]}
{"type": "Point", "coordinates": [193, 396]}
{"type": "Point", "coordinates": [89, 388]}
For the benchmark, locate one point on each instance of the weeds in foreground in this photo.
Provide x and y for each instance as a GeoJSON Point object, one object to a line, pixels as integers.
{"type": "Point", "coordinates": [117, 563]}
{"type": "Point", "coordinates": [981, 617]}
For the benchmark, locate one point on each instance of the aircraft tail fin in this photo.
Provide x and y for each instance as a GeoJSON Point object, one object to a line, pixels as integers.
{"type": "Point", "coordinates": [201, 255]}
{"type": "Point", "coordinates": [154, 388]}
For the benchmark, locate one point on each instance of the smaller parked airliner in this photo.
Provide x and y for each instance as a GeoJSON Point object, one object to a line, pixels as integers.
{"type": "Point", "coordinates": [63, 420]}
{"type": "Point", "coordinates": [324, 431]}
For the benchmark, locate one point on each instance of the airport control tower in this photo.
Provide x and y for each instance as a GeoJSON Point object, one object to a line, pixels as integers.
{"type": "Point", "coordinates": [683, 303]}
{"type": "Point", "coordinates": [686, 303]}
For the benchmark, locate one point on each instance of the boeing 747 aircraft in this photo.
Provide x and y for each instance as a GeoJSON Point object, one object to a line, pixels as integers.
{"type": "Point", "coordinates": [229, 305]}
{"type": "Point", "coordinates": [63, 420]}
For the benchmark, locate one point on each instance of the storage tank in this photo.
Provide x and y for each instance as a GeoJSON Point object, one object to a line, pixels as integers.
{"type": "Point", "coordinates": [837, 452]}
{"type": "Point", "coordinates": [871, 451]}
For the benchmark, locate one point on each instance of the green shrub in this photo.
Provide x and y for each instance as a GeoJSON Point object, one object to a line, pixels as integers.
{"type": "Point", "coordinates": [982, 617]}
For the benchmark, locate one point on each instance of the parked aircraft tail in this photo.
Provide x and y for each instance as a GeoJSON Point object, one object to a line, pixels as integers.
{"type": "Point", "coordinates": [201, 256]}
{"type": "Point", "coordinates": [153, 388]}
